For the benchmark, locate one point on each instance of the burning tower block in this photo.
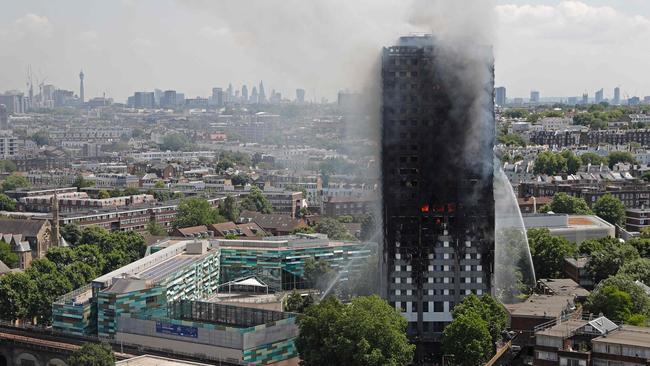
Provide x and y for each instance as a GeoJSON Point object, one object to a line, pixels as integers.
{"type": "Point", "coordinates": [437, 160]}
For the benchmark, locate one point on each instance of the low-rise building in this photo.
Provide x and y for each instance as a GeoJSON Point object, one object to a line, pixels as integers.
{"type": "Point", "coordinates": [637, 219]}
{"type": "Point", "coordinates": [574, 228]}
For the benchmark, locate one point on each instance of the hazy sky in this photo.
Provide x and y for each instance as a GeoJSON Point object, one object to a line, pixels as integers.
{"type": "Point", "coordinates": [557, 47]}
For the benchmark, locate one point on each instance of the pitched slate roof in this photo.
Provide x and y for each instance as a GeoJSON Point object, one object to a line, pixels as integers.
{"type": "Point", "coordinates": [21, 226]}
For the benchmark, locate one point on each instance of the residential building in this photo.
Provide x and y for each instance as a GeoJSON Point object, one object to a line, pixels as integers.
{"type": "Point", "coordinates": [432, 196]}
{"type": "Point", "coordinates": [500, 96]}
{"type": "Point", "coordinates": [637, 219]}
{"type": "Point", "coordinates": [350, 206]}
{"type": "Point", "coordinates": [534, 97]}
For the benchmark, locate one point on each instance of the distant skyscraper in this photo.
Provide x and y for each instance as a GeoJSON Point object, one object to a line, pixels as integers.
{"type": "Point", "coordinates": [500, 96]}
{"type": "Point", "coordinates": [534, 96]}
{"type": "Point", "coordinates": [4, 117]}
{"type": "Point", "coordinates": [599, 96]}
{"type": "Point", "coordinates": [180, 99]}
{"type": "Point", "coordinates": [262, 96]}
{"type": "Point", "coordinates": [254, 96]}
{"type": "Point", "coordinates": [634, 101]}
{"type": "Point", "coordinates": [81, 87]}
{"type": "Point", "coordinates": [617, 96]}
{"type": "Point", "coordinates": [585, 98]}
{"type": "Point", "coordinates": [244, 94]}
{"type": "Point", "coordinates": [168, 99]}
{"type": "Point", "coordinates": [157, 95]}
{"type": "Point", "coordinates": [229, 94]}
{"type": "Point", "coordinates": [217, 97]}
{"type": "Point", "coordinates": [143, 100]}
{"type": "Point", "coordinates": [438, 203]}
{"type": "Point", "coordinates": [300, 95]}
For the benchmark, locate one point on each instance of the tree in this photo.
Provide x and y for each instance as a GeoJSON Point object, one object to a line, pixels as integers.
{"type": "Point", "coordinates": [230, 208]}
{"type": "Point", "coordinates": [367, 332]}
{"type": "Point", "coordinates": [81, 182]}
{"type": "Point", "coordinates": [7, 166]}
{"type": "Point", "coordinates": [159, 184]}
{"type": "Point", "coordinates": [92, 354]}
{"type": "Point", "coordinates": [489, 309]}
{"type": "Point", "coordinates": [318, 274]}
{"type": "Point", "coordinates": [612, 302]}
{"type": "Point", "coordinates": [14, 181]}
{"type": "Point", "coordinates": [116, 192]}
{"type": "Point", "coordinates": [103, 194]}
{"type": "Point", "coordinates": [468, 339]}
{"type": "Point", "coordinates": [549, 163]}
{"type": "Point", "coordinates": [60, 256]}
{"type": "Point", "coordinates": [41, 138]}
{"type": "Point", "coordinates": [240, 180]}
{"type": "Point", "coordinates": [641, 244]}
{"type": "Point", "coordinates": [511, 140]}
{"type": "Point", "coordinates": [620, 157]}
{"type": "Point", "coordinates": [640, 300]}
{"type": "Point", "coordinates": [7, 203]}
{"type": "Point", "coordinates": [79, 274]}
{"type": "Point", "coordinates": [94, 235]}
{"type": "Point", "coordinates": [50, 284]}
{"type": "Point", "coordinates": [196, 211]}
{"type": "Point", "coordinates": [297, 303]}
{"type": "Point", "coordinates": [572, 161]}
{"type": "Point", "coordinates": [610, 209]}
{"type": "Point", "coordinates": [156, 229]}
{"type": "Point", "coordinates": [131, 191]}
{"type": "Point", "coordinates": [175, 142]}
{"type": "Point", "coordinates": [15, 292]}
{"type": "Point", "coordinates": [333, 229]}
{"type": "Point", "coordinates": [346, 219]}
{"type": "Point", "coordinates": [90, 255]}
{"type": "Point", "coordinates": [588, 247]}
{"type": "Point", "coordinates": [7, 256]}
{"type": "Point", "coordinates": [638, 269]}
{"type": "Point", "coordinates": [548, 252]}
{"type": "Point", "coordinates": [563, 203]}
{"type": "Point", "coordinates": [256, 201]}
{"type": "Point", "coordinates": [71, 233]}
{"type": "Point", "coordinates": [593, 159]}
{"type": "Point", "coordinates": [606, 262]}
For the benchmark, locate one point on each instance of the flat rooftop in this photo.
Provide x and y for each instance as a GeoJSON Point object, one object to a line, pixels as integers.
{"type": "Point", "coordinates": [542, 306]}
{"type": "Point", "coordinates": [564, 286]}
{"type": "Point", "coordinates": [564, 329]}
{"type": "Point", "coordinates": [627, 335]}
{"type": "Point", "coordinates": [155, 267]}
{"type": "Point", "coordinates": [148, 360]}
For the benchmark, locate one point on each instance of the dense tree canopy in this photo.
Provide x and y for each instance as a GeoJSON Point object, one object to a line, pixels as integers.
{"type": "Point", "coordinates": [14, 181]}
{"type": "Point", "coordinates": [333, 229]}
{"type": "Point", "coordinates": [620, 157]}
{"type": "Point", "coordinates": [563, 203]}
{"type": "Point", "coordinates": [175, 142]}
{"type": "Point", "coordinates": [196, 211]}
{"type": "Point", "coordinates": [92, 354]}
{"type": "Point", "coordinates": [610, 209]}
{"type": "Point", "coordinates": [367, 332]}
{"type": "Point", "coordinates": [607, 260]}
{"type": "Point", "coordinates": [611, 298]}
{"type": "Point", "coordinates": [7, 256]}
{"type": "Point", "coordinates": [548, 252]}
{"type": "Point", "coordinates": [549, 163]}
{"type": "Point", "coordinates": [593, 159]}
{"type": "Point", "coordinates": [94, 251]}
{"type": "Point", "coordinates": [256, 201]}
{"type": "Point", "coordinates": [230, 208]}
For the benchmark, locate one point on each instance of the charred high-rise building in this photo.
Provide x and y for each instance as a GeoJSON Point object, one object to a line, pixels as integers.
{"type": "Point", "coordinates": [437, 171]}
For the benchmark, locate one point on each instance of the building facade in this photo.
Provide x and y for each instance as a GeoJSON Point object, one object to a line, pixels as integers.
{"type": "Point", "coordinates": [438, 205]}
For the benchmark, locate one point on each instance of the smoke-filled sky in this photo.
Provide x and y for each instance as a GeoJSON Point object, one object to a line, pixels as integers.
{"type": "Point", "coordinates": [560, 48]}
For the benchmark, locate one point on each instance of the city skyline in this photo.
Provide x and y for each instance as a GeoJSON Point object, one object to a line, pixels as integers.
{"type": "Point", "coordinates": [207, 40]}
